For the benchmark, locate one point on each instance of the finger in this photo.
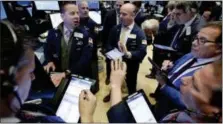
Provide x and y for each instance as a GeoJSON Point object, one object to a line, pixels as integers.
{"type": "Point", "coordinates": [116, 64]}
{"type": "Point", "coordinates": [124, 67]}
{"type": "Point", "coordinates": [47, 69]}
{"type": "Point", "coordinates": [53, 68]}
{"type": "Point", "coordinates": [82, 95]}
{"type": "Point", "coordinates": [112, 65]}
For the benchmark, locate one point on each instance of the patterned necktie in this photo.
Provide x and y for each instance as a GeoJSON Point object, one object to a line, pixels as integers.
{"type": "Point", "coordinates": [176, 37]}
{"type": "Point", "coordinates": [184, 68]}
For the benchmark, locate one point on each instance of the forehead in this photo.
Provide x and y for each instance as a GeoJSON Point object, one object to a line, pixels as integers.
{"type": "Point", "coordinates": [178, 10]}
{"type": "Point", "coordinates": [209, 33]}
{"type": "Point", "coordinates": [71, 7]}
{"type": "Point", "coordinates": [84, 4]}
{"type": "Point", "coordinates": [126, 9]}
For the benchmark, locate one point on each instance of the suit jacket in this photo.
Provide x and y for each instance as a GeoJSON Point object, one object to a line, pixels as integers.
{"type": "Point", "coordinates": [184, 42]}
{"type": "Point", "coordinates": [136, 45]}
{"type": "Point", "coordinates": [89, 25]}
{"type": "Point", "coordinates": [80, 52]}
{"type": "Point", "coordinates": [109, 22]}
{"type": "Point", "coordinates": [140, 18]}
{"type": "Point", "coordinates": [172, 93]}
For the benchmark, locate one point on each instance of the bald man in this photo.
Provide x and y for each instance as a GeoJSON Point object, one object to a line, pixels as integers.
{"type": "Point", "coordinates": [90, 26]}
{"type": "Point", "coordinates": [131, 40]}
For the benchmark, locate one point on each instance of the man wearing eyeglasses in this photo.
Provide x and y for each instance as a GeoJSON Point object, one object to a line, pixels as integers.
{"type": "Point", "coordinates": [206, 48]}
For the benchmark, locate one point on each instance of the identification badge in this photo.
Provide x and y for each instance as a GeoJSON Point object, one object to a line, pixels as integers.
{"type": "Point", "coordinates": [144, 42]}
{"type": "Point", "coordinates": [79, 35]}
{"type": "Point", "coordinates": [188, 31]}
{"type": "Point", "coordinates": [80, 43]}
{"type": "Point", "coordinates": [132, 36]}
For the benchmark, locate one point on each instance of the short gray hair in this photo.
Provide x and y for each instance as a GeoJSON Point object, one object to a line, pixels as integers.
{"type": "Point", "coordinates": [151, 24]}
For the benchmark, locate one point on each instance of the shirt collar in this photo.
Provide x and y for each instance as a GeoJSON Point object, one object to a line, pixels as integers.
{"type": "Point", "coordinates": [188, 23]}
{"type": "Point", "coordinates": [209, 59]}
{"type": "Point", "coordinates": [66, 29]}
{"type": "Point", "coordinates": [130, 27]}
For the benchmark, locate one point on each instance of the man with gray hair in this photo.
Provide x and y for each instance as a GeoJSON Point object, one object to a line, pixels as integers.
{"type": "Point", "coordinates": [186, 16]}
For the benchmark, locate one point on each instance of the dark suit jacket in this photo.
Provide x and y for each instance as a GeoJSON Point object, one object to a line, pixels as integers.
{"type": "Point", "coordinates": [109, 22]}
{"type": "Point", "coordinates": [140, 18]}
{"type": "Point", "coordinates": [80, 52]}
{"type": "Point", "coordinates": [185, 41]}
{"type": "Point", "coordinates": [134, 45]}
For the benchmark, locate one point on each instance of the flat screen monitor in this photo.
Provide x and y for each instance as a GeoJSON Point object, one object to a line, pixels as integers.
{"type": "Point", "coordinates": [47, 5]}
{"type": "Point", "coordinates": [3, 14]}
{"type": "Point", "coordinates": [94, 4]}
{"type": "Point", "coordinates": [56, 19]}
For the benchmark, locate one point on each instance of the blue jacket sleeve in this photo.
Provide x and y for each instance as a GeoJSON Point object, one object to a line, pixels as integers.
{"type": "Point", "coordinates": [140, 53]}
{"type": "Point", "coordinates": [50, 46]}
{"type": "Point", "coordinates": [173, 95]}
{"type": "Point", "coordinates": [119, 113]}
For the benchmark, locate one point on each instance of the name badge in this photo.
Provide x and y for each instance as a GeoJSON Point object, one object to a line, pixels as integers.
{"type": "Point", "coordinates": [188, 31]}
{"type": "Point", "coordinates": [80, 43]}
{"type": "Point", "coordinates": [79, 35]}
{"type": "Point", "coordinates": [132, 36]}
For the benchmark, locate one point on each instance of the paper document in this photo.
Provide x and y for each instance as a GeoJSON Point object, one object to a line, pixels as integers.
{"type": "Point", "coordinates": [114, 54]}
{"type": "Point", "coordinates": [164, 47]}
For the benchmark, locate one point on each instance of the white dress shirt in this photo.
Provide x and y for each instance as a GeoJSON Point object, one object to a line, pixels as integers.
{"type": "Point", "coordinates": [127, 30]}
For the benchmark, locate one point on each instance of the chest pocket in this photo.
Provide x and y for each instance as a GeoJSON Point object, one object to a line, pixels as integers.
{"type": "Point", "coordinates": [132, 44]}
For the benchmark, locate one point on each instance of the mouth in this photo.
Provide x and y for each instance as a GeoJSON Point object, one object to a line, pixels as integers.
{"type": "Point", "coordinates": [76, 22]}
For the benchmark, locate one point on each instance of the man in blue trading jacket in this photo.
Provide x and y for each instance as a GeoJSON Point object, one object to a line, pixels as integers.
{"type": "Point", "coordinates": [206, 48]}
{"type": "Point", "coordinates": [69, 47]}
{"type": "Point", "coordinates": [130, 40]}
{"type": "Point", "coordinates": [90, 26]}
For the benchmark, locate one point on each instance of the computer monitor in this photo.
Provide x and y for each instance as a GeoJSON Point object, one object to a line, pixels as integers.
{"type": "Point", "coordinates": [94, 4]}
{"type": "Point", "coordinates": [55, 19]}
{"type": "Point", "coordinates": [24, 3]}
{"type": "Point", "coordinates": [47, 5]}
{"type": "Point", "coordinates": [3, 14]}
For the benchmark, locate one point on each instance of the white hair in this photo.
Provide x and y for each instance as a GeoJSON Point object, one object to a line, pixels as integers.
{"type": "Point", "coordinates": [151, 24]}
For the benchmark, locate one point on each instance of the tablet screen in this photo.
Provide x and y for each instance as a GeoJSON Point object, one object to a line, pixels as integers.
{"type": "Point", "coordinates": [68, 109]}
{"type": "Point", "coordinates": [140, 109]}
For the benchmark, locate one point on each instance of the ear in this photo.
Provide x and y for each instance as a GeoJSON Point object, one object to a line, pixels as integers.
{"type": "Point", "coordinates": [62, 15]}
{"type": "Point", "coordinates": [218, 49]}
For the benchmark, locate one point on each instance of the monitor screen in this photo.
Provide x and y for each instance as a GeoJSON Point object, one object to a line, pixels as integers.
{"type": "Point", "coordinates": [3, 14]}
{"type": "Point", "coordinates": [24, 3]}
{"type": "Point", "coordinates": [94, 4]}
{"type": "Point", "coordinates": [47, 5]}
{"type": "Point", "coordinates": [56, 19]}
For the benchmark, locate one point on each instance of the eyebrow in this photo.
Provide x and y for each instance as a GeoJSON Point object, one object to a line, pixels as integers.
{"type": "Point", "coordinates": [194, 84]}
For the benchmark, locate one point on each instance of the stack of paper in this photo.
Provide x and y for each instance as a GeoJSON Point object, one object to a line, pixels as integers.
{"type": "Point", "coordinates": [114, 54]}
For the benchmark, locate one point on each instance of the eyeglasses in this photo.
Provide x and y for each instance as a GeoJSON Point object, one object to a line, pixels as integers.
{"type": "Point", "coordinates": [202, 40]}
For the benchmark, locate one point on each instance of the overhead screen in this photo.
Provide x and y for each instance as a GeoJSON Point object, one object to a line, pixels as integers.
{"type": "Point", "coordinates": [47, 5]}
{"type": "Point", "coordinates": [3, 14]}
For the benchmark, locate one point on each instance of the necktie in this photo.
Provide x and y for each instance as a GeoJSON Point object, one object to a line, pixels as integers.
{"type": "Point", "coordinates": [184, 68]}
{"type": "Point", "coordinates": [123, 35]}
{"type": "Point", "coordinates": [176, 37]}
{"type": "Point", "coordinates": [67, 36]}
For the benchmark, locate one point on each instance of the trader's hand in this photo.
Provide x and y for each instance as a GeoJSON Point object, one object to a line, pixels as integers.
{"type": "Point", "coordinates": [49, 66]}
{"type": "Point", "coordinates": [122, 47]}
{"type": "Point", "coordinates": [118, 71]}
{"type": "Point", "coordinates": [87, 105]}
{"type": "Point", "coordinates": [160, 79]}
{"type": "Point", "coordinates": [167, 64]}
{"type": "Point", "coordinates": [57, 77]}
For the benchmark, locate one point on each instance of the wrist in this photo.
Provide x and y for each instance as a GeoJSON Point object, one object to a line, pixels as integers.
{"type": "Point", "coordinates": [115, 86]}
{"type": "Point", "coordinates": [86, 119]}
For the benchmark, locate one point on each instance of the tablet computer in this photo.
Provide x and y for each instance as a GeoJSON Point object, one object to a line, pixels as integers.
{"type": "Point", "coordinates": [68, 109]}
{"type": "Point", "coordinates": [139, 107]}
